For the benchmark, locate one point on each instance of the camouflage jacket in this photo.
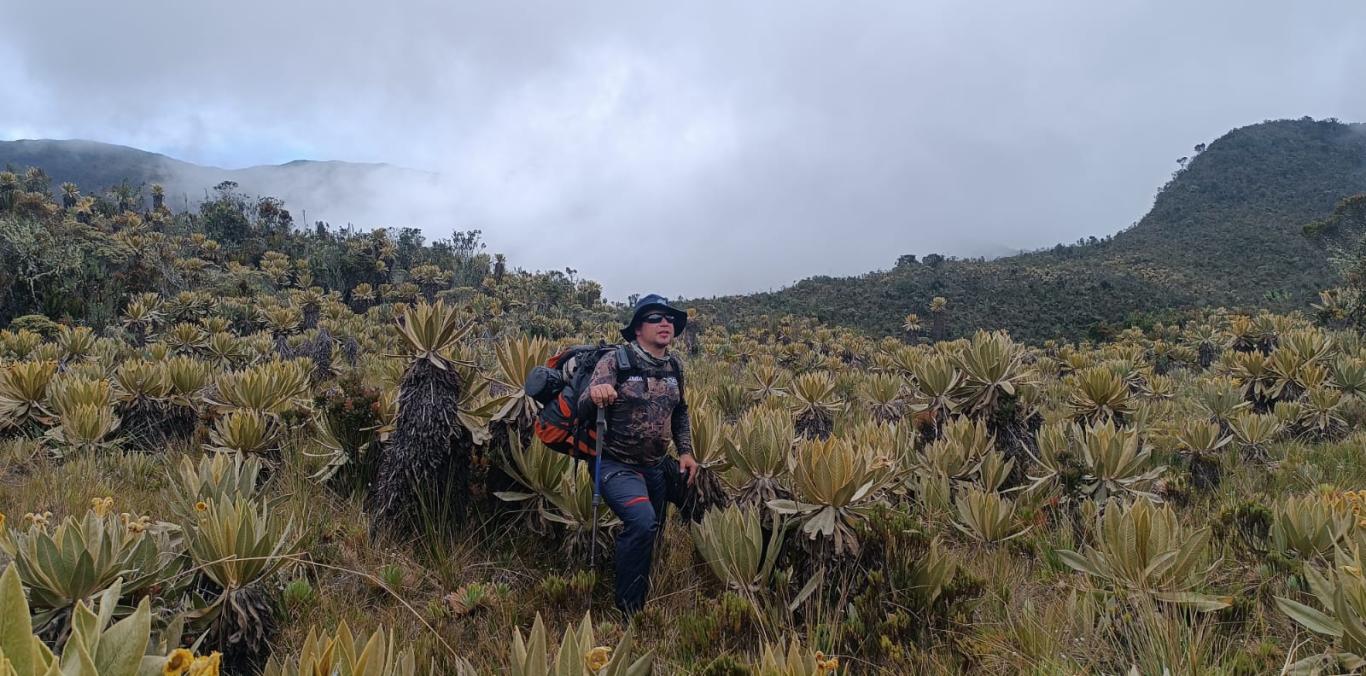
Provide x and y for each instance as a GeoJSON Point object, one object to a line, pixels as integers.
{"type": "Point", "coordinates": [648, 412]}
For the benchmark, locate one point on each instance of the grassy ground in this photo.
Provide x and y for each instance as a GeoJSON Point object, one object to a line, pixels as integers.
{"type": "Point", "coordinates": [1031, 614]}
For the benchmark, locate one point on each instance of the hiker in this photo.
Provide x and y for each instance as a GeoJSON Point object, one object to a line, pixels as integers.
{"type": "Point", "coordinates": [642, 416]}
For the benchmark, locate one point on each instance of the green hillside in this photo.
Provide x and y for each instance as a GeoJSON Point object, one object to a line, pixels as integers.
{"type": "Point", "coordinates": [1226, 230]}
{"type": "Point", "coordinates": [91, 165]}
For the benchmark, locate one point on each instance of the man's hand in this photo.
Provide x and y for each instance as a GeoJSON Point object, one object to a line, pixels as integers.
{"type": "Point", "coordinates": [686, 465]}
{"type": "Point", "coordinates": [602, 395]}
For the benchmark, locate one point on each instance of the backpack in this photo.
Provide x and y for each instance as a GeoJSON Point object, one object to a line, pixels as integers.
{"type": "Point", "coordinates": [560, 425]}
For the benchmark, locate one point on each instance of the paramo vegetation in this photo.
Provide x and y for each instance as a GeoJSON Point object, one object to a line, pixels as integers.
{"type": "Point", "coordinates": [233, 446]}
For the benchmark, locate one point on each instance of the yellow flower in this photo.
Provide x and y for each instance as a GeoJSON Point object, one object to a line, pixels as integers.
{"type": "Point", "coordinates": [177, 662]}
{"type": "Point", "coordinates": [201, 506]}
{"type": "Point", "coordinates": [597, 658]}
{"type": "Point", "coordinates": [101, 506]}
{"type": "Point", "coordinates": [206, 665]}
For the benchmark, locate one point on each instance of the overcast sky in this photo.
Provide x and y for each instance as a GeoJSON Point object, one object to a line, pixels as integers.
{"type": "Point", "coordinates": [712, 147]}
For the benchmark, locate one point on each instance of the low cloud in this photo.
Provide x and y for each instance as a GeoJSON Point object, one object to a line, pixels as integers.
{"type": "Point", "coordinates": [694, 149]}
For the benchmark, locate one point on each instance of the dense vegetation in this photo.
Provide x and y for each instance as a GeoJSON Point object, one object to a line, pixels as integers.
{"type": "Point", "coordinates": [1225, 231]}
{"type": "Point", "coordinates": [230, 444]}
{"type": "Point", "coordinates": [81, 259]}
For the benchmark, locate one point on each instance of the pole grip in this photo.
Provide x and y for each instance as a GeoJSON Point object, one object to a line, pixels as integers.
{"type": "Point", "coordinates": [602, 430]}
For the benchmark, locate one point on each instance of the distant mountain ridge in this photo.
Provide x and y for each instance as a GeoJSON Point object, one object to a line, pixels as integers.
{"type": "Point", "coordinates": [1226, 230]}
{"type": "Point", "coordinates": [352, 189]}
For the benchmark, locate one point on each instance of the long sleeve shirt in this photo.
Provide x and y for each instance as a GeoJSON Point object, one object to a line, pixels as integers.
{"type": "Point", "coordinates": [648, 412]}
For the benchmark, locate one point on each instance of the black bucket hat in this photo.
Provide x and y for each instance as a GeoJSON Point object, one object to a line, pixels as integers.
{"type": "Point", "coordinates": [654, 303]}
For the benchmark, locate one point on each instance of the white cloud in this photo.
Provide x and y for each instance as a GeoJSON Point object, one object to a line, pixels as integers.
{"type": "Point", "coordinates": [711, 146]}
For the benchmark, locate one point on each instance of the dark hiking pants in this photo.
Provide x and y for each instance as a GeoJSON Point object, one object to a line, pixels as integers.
{"type": "Point", "coordinates": [636, 494]}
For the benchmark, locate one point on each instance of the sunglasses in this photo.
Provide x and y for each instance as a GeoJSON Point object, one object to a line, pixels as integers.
{"type": "Point", "coordinates": [655, 318]}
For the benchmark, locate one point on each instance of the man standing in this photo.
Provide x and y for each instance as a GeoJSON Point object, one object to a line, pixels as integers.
{"type": "Point", "coordinates": [644, 411]}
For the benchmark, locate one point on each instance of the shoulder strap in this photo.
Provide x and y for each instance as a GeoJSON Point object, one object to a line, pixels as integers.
{"type": "Point", "coordinates": [626, 363]}
{"type": "Point", "coordinates": [678, 373]}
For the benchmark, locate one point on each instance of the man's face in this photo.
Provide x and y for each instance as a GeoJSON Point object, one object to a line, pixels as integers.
{"type": "Point", "coordinates": [655, 328]}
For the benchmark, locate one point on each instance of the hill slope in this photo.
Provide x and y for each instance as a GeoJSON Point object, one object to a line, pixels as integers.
{"type": "Point", "coordinates": [333, 190]}
{"type": "Point", "coordinates": [1227, 230]}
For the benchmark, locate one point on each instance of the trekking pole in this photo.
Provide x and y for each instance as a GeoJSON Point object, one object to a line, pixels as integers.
{"type": "Point", "coordinates": [597, 484]}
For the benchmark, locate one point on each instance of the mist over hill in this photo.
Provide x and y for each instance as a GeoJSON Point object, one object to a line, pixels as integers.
{"type": "Point", "coordinates": [1227, 230]}
{"type": "Point", "coordinates": [333, 191]}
